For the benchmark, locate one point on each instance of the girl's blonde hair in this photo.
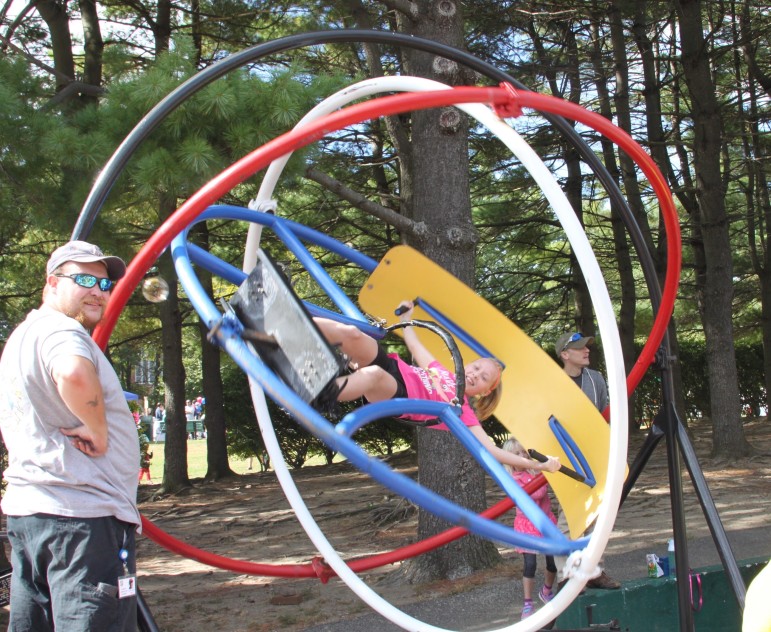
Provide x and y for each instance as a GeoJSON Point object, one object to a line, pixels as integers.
{"type": "Point", "coordinates": [515, 447]}
{"type": "Point", "coordinates": [485, 405]}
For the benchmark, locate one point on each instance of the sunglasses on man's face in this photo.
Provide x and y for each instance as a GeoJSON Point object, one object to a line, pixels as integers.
{"type": "Point", "coordinates": [88, 281]}
{"type": "Point", "coordinates": [574, 338]}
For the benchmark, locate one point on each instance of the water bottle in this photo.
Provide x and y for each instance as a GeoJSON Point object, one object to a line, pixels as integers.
{"type": "Point", "coordinates": [671, 555]}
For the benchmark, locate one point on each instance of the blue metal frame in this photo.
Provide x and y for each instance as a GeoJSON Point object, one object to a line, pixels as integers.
{"type": "Point", "coordinates": [574, 453]}
{"type": "Point", "coordinates": [225, 331]}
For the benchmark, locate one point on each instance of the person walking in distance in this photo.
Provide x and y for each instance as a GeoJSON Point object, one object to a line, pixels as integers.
{"type": "Point", "coordinates": [72, 458]}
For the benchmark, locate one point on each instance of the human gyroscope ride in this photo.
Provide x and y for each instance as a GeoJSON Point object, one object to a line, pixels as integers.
{"type": "Point", "coordinates": [269, 332]}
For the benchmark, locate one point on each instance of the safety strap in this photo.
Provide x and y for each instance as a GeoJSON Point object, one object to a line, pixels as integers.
{"type": "Point", "coordinates": [457, 360]}
{"type": "Point", "coordinates": [460, 374]}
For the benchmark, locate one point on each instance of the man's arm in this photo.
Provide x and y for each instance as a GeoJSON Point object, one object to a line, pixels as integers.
{"type": "Point", "coordinates": [81, 391]}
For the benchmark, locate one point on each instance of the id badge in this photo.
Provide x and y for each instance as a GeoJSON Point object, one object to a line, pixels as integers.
{"type": "Point", "coordinates": [127, 586]}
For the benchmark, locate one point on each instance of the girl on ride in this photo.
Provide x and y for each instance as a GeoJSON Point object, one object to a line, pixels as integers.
{"type": "Point", "coordinates": [379, 376]}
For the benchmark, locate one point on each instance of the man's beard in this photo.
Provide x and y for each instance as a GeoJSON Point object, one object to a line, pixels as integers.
{"type": "Point", "coordinates": [83, 319]}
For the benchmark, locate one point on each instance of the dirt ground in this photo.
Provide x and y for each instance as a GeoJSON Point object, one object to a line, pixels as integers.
{"type": "Point", "coordinates": [248, 518]}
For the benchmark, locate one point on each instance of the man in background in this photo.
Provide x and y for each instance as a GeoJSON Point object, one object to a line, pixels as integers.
{"type": "Point", "coordinates": [572, 350]}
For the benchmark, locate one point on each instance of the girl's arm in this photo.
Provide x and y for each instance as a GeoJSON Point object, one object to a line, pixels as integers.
{"type": "Point", "coordinates": [420, 355]}
{"type": "Point", "coordinates": [520, 462]}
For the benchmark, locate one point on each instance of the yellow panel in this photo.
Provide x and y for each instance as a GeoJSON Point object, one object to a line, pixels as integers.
{"type": "Point", "coordinates": [534, 385]}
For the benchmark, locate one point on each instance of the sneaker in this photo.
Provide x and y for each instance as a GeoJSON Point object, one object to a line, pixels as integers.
{"type": "Point", "coordinates": [545, 594]}
{"type": "Point", "coordinates": [527, 609]}
{"type": "Point", "coordinates": [603, 582]}
{"type": "Point", "coordinates": [326, 401]}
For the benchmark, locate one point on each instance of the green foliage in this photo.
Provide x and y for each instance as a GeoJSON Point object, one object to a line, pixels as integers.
{"type": "Point", "coordinates": [49, 155]}
{"type": "Point", "coordinates": [297, 445]}
{"type": "Point", "coordinates": [693, 362]}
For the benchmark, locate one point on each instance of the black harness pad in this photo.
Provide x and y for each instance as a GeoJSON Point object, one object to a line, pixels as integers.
{"type": "Point", "coordinates": [298, 353]}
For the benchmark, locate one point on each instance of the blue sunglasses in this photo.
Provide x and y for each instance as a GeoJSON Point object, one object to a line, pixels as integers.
{"type": "Point", "coordinates": [575, 337]}
{"type": "Point", "coordinates": [88, 281]}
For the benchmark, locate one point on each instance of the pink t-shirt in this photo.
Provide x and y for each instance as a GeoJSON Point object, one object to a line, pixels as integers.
{"type": "Point", "coordinates": [422, 384]}
{"type": "Point", "coordinates": [541, 496]}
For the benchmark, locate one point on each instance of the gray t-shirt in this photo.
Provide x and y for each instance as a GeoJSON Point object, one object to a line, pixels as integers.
{"type": "Point", "coordinates": [46, 474]}
{"type": "Point", "coordinates": [594, 387]}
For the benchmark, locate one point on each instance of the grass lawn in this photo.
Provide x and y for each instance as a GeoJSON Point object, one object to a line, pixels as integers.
{"type": "Point", "coordinates": [196, 461]}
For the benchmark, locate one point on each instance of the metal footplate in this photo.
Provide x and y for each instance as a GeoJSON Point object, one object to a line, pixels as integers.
{"type": "Point", "coordinates": [283, 334]}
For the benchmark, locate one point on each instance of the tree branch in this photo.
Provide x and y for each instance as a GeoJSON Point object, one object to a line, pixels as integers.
{"type": "Point", "coordinates": [371, 51]}
{"type": "Point", "coordinates": [396, 220]}
{"type": "Point", "coordinates": [17, 21]}
{"type": "Point", "coordinates": [407, 7]}
{"type": "Point", "coordinates": [31, 58]}
{"type": "Point", "coordinates": [72, 89]}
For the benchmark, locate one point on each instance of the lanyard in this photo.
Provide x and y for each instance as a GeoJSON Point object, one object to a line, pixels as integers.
{"type": "Point", "coordinates": [123, 554]}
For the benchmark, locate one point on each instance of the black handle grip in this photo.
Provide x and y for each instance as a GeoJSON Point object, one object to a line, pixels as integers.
{"type": "Point", "coordinates": [403, 308]}
{"type": "Point", "coordinates": [534, 454]}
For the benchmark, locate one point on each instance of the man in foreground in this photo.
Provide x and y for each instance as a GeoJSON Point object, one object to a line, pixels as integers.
{"type": "Point", "coordinates": [73, 451]}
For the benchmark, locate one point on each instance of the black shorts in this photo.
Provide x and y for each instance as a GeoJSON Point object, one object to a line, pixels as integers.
{"type": "Point", "coordinates": [390, 366]}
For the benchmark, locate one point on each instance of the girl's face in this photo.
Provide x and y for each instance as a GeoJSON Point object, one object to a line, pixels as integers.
{"type": "Point", "coordinates": [481, 376]}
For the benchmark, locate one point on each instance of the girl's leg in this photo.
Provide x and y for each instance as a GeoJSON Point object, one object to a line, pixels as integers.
{"type": "Point", "coordinates": [358, 346]}
{"type": "Point", "coordinates": [528, 575]}
{"type": "Point", "coordinates": [550, 574]}
{"type": "Point", "coordinates": [371, 382]}
{"type": "Point", "coordinates": [527, 588]}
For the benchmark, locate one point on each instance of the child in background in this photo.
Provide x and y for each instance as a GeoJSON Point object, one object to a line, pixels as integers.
{"type": "Point", "coordinates": [524, 525]}
{"type": "Point", "coordinates": [145, 456]}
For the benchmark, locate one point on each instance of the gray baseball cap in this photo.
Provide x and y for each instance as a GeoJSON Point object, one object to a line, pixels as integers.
{"type": "Point", "coordinates": [83, 252]}
{"type": "Point", "coordinates": [571, 340]}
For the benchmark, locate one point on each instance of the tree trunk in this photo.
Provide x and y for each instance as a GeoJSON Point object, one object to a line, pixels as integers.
{"type": "Point", "coordinates": [57, 18]}
{"type": "Point", "coordinates": [436, 196]}
{"type": "Point", "coordinates": [765, 321]}
{"type": "Point", "coordinates": [716, 291]}
{"type": "Point", "coordinates": [584, 312]}
{"type": "Point", "coordinates": [626, 317]}
{"type": "Point", "coordinates": [93, 48]}
{"type": "Point", "coordinates": [162, 27]}
{"type": "Point", "coordinates": [217, 465]}
{"type": "Point", "coordinates": [757, 192]}
{"type": "Point", "coordinates": [657, 146]}
{"type": "Point", "coordinates": [455, 475]}
{"type": "Point", "coordinates": [175, 474]}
